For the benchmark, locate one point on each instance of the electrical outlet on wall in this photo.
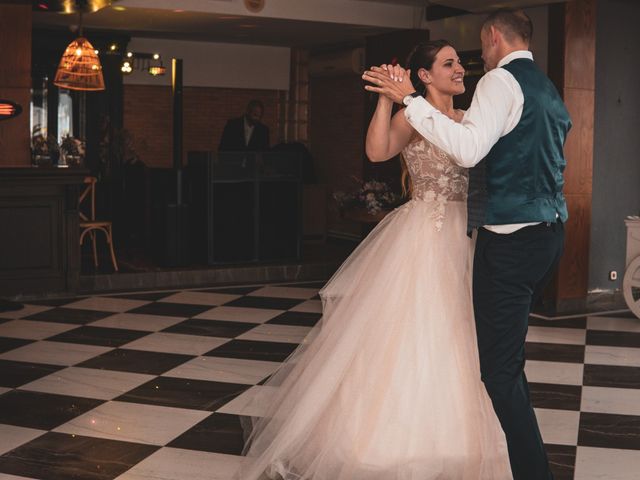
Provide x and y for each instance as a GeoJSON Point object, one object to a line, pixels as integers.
{"type": "Point", "coordinates": [613, 275]}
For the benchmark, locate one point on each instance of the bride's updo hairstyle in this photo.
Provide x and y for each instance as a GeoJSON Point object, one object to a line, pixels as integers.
{"type": "Point", "coordinates": [422, 56]}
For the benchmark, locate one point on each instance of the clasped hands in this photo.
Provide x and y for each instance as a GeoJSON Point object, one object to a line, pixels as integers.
{"type": "Point", "coordinates": [392, 81]}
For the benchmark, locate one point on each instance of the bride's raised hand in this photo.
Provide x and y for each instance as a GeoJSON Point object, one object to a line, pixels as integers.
{"type": "Point", "coordinates": [392, 81]}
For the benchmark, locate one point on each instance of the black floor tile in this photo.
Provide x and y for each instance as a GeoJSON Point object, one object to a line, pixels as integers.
{"type": "Point", "coordinates": [562, 460]}
{"type": "Point", "coordinates": [556, 397]}
{"type": "Point", "coordinates": [60, 456]}
{"type": "Point", "coordinates": [7, 343]}
{"type": "Point", "coordinates": [232, 290]}
{"type": "Point", "coordinates": [219, 433]}
{"type": "Point", "coordinates": [567, 323]}
{"type": "Point", "coordinates": [317, 285]}
{"type": "Point", "coordinates": [302, 319]}
{"type": "Point", "coordinates": [609, 431]}
{"type": "Point", "coordinates": [210, 328]}
{"type": "Point", "coordinates": [552, 352]}
{"type": "Point", "coordinates": [44, 411]}
{"type": "Point", "coordinates": [14, 374]}
{"type": "Point", "coordinates": [136, 361]}
{"type": "Point", "coordinates": [613, 339]}
{"type": "Point", "coordinates": [69, 315]}
{"type": "Point", "coordinates": [151, 296]}
{"type": "Point", "coordinates": [265, 302]}
{"type": "Point", "coordinates": [611, 376]}
{"type": "Point", "coordinates": [106, 337]}
{"type": "Point", "coordinates": [171, 309]}
{"type": "Point", "coordinates": [253, 350]}
{"type": "Point", "coordinates": [184, 393]}
{"type": "Point", "coordinates": [55, 302]}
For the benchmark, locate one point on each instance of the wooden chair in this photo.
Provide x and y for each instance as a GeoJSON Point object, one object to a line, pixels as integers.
{"type": "Point", "coordinates": [89, 224]}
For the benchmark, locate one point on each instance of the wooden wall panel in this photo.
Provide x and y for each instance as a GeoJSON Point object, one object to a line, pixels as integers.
{"type": "Point", "coordinates": [15, 81]}
{"type": "Point", "coordinates": [580, 44]}
{"type": "Point", "coordinates": [573, 275]}
{"type": "Point", "coordinates": [579, 145]}
{"type": "Point", "coordinates": [579, 96]}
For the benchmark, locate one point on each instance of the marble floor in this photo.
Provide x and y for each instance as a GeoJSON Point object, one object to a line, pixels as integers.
{"type": "Point", "coordinates": [142, 386]}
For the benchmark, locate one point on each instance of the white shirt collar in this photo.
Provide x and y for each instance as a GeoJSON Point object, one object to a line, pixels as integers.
{"type": "Point", "coordinates": [513, 55]}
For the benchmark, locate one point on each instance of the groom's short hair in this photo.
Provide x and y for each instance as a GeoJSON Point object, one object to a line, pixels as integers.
{"type": "Point", "coordinates": [512, 23]}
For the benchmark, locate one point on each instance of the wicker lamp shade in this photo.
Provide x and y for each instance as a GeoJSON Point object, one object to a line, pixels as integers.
{"type": "Point", "coordinates": [80, 67]}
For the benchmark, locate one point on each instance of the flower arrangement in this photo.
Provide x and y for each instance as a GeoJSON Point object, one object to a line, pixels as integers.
{"type": "Point", "coordinates": [372, 195]}
{"type": "Point", "coordinates": [72, 146]}
{"type": "Point", "coordinates": [44, 148]}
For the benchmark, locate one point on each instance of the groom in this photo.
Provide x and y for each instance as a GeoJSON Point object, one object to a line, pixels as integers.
{"type": "Point", "coordinates": [518, 122]}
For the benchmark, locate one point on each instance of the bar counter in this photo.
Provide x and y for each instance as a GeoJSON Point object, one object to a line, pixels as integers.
{"type": "Point", "coordinates": [39, 232]}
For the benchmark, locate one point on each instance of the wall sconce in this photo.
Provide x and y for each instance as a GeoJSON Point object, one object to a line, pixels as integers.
{"type": "Point", "coordinates": [143, 62]}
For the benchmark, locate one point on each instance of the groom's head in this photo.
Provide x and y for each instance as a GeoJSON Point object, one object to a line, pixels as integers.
{"type": "Point", "coordinates": [503, 32]}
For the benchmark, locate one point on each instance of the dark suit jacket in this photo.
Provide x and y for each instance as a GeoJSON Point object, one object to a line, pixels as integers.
{"type": "Point", "coordinates": [232, 139]}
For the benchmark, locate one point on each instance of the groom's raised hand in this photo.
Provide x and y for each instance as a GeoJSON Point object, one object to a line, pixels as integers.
{"type": "Point", "coordinates": [392, 81]}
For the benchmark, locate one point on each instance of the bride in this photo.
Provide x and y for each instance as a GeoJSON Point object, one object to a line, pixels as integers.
{"type": "Point", "coordinates": [387, 385]}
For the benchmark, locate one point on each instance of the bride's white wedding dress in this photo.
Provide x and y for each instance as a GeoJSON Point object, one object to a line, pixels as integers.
{"type": "Point", "coordinates": [387, 385]}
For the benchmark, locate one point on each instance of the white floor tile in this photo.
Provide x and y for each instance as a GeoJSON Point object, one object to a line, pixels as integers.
{"type": "Point", "coordinates": [137, 321]}
{"type": "Point", "coordinates": [285, 292]}
{"type": "Point", "coordinates": [178, 464]}
{"type": "Point", "coordinates": [240, 314]}
{"type": "Point", "coordinates": [571, 336]}
{"type": "Point", "coordinates": [251, 403]}
{"type": "Point", "coordinates": [107, 304]}
{"type": "Point", "coordinates": [616, 324]}
{"type": "Point", "coordinates": [559, 427]}
{"type": "Point", "coordinates": [54, 353]}
{"type": "Point", "coordinates": [310, 306]}
{"type": "Point", "coordinates": [605, 355]}
{"type": "Point", "coordinates": [200, 298]}
{"type": "Point", "coordinates": [133, 422]}
{"type": "Point", "coordinates": [88, 383]}
{"type": "Point", "coordinates": [12, 437]}
{"type": "Point", "coordinates": [229, 370]}
{"type": "Point", "coordinates": [606, 464]}
{"type": "Point", "coordinates": [176, 343]}
{"type": "Point", "coordinates": [554, 372]}
{"type": "Point", "coordinates": [26, 311]}
{"type": "Point", "coordinates": [32, 329]}
{"type": "Point", "coordinates": [623, 401]}
{"type": "Point", "coordinates": [276, 333]}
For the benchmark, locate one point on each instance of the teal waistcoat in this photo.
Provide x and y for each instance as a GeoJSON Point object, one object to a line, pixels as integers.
{"type": "Point", "coordinates": [524, 168]}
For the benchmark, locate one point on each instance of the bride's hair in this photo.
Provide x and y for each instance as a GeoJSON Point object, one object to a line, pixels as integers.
{"type": "Point", "coordinates": [422, 56]}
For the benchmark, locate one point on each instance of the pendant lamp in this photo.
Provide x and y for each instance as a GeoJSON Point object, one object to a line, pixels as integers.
{"type": "Point", "coordinates": [79, 67]}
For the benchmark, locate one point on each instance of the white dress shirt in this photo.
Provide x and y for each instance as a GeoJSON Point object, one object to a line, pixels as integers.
{"type": "Point", "coordinates": [248, 131]}
{"type": "Point", "coordinates": [495, 111]}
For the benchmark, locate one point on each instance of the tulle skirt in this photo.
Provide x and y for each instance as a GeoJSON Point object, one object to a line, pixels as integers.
{"type": "Point", "coordinates": [387, 385]}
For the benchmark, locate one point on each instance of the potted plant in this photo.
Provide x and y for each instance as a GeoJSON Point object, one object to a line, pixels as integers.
{"type": "Point", "coordinates": [72, 150]}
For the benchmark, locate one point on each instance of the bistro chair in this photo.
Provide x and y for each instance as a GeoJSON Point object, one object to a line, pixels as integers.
{"type": "Point", "coordinates": [89, 224]}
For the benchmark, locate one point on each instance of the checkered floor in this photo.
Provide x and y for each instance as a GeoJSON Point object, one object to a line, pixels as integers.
{"type": "Point", "coordinates": [153, 385]}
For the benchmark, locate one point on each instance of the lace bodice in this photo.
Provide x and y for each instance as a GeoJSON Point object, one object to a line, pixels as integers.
{"type": "Point", "coordinates": [435, 177]}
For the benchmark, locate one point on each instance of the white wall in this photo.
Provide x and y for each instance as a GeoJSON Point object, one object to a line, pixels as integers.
{"type": "Point", "coordinates": [208, 64]}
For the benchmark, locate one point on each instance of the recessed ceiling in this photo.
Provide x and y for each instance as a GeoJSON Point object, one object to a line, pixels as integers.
{"type": "Point", "coordinates": [143, 22]}
{"type": "Point", "coordinates": [212, 27]}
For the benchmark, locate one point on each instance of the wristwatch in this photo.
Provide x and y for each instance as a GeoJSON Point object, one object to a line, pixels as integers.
{"type": "Point", "coordinates": [409, 98]}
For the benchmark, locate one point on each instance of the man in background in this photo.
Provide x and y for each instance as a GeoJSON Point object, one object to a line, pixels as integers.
{"type": "Point", "coordinates": [246, 133]}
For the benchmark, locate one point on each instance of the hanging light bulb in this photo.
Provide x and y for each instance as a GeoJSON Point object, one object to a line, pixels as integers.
{"type": "Point", "coordinates": [80, 67]}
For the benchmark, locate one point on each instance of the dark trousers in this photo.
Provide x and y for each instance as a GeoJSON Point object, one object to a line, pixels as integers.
{"type": "Point", "coordinates": [509, 274]}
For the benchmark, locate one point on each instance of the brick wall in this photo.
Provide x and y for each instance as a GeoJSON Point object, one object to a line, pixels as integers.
{"type": "Point", "coordinates": [336, 137]}
{"type": "Point", "coordinates": [148, 116]}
